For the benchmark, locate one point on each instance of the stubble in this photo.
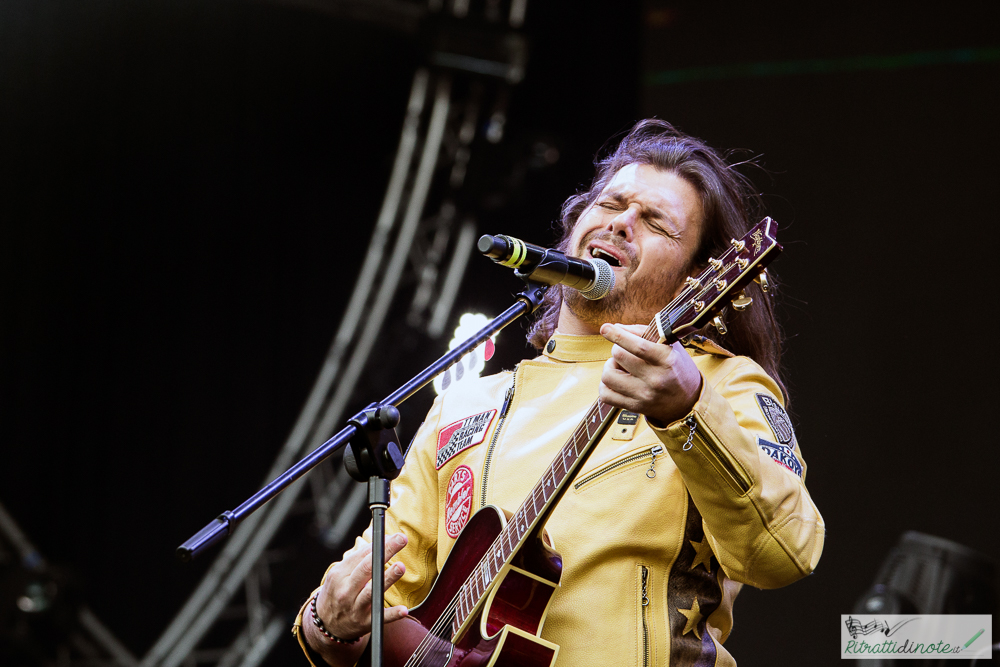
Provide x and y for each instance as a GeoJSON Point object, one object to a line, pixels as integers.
{"type": "Point", "coordinates": [632, 301]}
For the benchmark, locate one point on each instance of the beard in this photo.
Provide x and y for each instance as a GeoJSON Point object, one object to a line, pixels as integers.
{"type": "Point", "coordinates": [632, 300]}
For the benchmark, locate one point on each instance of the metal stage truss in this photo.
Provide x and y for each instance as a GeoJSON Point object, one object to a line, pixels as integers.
{"type": "Point", "coordinates": [420, 244]}
{"type": "Point", "coordinates": [422, 239]}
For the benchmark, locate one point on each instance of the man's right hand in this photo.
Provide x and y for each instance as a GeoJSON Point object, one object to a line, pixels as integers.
{"type": "Point", "coordinates": [344, 602]}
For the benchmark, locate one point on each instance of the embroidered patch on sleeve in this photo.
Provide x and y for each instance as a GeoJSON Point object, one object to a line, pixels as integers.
{"type": "Point", "coordinates": [458, 500]}
{"type": "Point", "coordinates": [783, 455]}
{"type": "Point", "coordinates": [461, 435]}
{"type": "Point", "coordinates": [777, 418]}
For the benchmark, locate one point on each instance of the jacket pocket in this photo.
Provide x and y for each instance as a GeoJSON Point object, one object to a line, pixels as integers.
{"type": "Point", "coordinates": [648, 455]}
{"type": "Point", "coordinates": [717, 454]}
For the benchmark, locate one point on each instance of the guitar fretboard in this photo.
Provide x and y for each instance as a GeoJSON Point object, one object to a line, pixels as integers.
{"type": "Point", "coordinates": [560, 471]}
{"type": "Point", "coordinates": [538, 501]}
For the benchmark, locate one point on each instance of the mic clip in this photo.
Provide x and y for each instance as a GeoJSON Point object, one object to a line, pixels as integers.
{"type": "Point", "coordinates": [550, 270]}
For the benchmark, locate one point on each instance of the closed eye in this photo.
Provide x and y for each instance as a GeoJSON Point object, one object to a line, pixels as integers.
{"type": "Point", "coordinates": [656, 229]}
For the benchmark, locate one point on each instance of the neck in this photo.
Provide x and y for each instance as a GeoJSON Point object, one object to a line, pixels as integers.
{"type": "Point", "coordinates": [569, 323]}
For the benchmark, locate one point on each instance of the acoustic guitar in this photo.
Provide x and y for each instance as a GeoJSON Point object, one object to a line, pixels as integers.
{"type": "Point", "coordinates": [488, 604]}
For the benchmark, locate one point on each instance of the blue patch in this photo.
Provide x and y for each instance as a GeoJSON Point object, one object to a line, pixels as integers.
{"type": "Point", "coordinates": [783, 455]}
{"type": "Point", "coordinates": [777, 418]}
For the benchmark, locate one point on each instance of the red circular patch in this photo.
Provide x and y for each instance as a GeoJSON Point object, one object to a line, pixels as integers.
{"type": "Point", "coordinates": [490, 349]}
{"type": "Point", "coordinates": [458, 500]}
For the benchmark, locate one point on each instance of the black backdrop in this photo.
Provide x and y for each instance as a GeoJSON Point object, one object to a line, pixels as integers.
{"type": "Point", "coordinates": [186, 187]}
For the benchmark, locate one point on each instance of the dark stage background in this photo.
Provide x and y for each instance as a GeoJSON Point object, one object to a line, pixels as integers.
{"type": "Point", "coordinates": [186, 189]}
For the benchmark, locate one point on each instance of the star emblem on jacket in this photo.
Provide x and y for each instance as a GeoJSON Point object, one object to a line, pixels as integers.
{"type": "Point", "coordinates": [693, 616]}
{"type": "Point", "coordinates": [703, 554]}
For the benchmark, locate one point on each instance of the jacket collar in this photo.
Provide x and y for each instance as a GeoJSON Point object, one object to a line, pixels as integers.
{"type": "Point", "coordinates": [565, 347]}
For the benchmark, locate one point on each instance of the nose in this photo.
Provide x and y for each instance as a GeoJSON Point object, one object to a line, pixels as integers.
{"type": "Point", "coordinates": [624, 223]}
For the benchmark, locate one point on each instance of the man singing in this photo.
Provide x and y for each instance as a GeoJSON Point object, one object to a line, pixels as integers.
{"type": "Point", "coordinates": [696, 490]}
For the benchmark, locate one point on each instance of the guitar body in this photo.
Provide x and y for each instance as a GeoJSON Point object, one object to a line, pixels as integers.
{"type": "Point", "coordinates": [504, 631]}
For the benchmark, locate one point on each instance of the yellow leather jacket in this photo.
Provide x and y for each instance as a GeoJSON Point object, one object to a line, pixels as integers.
{"type": "Point", "coordinates": [659, 530]}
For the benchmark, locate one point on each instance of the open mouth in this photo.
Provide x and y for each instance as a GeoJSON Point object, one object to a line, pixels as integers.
{"type": "Point", "coordinates": [597, 253]}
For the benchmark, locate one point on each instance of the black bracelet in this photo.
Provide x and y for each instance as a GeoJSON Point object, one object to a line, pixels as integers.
{"type": "Point", "coordinates": [319, 625]}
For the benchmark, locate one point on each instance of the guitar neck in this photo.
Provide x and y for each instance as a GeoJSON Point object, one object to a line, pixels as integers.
{"type": "Point", "coordinates": [535, 510]}
{"type": "Point", "coordinates": [531, 516]}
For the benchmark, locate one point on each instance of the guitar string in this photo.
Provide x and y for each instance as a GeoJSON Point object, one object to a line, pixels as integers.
{"type": "Point", "coordinates": [483, 567]}
{"type": "Point", "coordinates": [424, 646]}
{"type": "Point", "coordinates": [438, 626]}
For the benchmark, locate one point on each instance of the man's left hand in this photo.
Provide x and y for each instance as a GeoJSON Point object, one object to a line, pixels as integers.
{"type": "Point", "coordinates": [655, 380]}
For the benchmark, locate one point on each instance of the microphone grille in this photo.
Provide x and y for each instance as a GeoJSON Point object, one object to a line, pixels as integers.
{"type": "Point", "coordinates": [604, 280]}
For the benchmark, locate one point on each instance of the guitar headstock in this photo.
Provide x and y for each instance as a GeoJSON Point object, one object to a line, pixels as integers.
{"type": "Point", "coordinates": [722, 281]}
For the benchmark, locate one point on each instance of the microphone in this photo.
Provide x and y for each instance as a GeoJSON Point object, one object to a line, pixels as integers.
{"type": "Point", "coordinates": [592, 277]}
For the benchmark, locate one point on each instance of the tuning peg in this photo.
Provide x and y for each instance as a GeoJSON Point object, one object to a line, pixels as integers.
{"type": "Point", "coordinates": [720, 325]}
{"type": "Point", "coordinates": [742, 302]}
{"type": "Point", "coordinates": [761, 280]}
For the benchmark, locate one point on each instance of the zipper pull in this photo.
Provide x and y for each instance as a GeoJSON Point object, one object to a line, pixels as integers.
{"type": "Point", "coordinates": [692, 424]}
{"type": "Point", "coordinates": [506, 402]}
{"type": "Point", "coordinates": [645, 577]}
{"type": "Point", "coordinates": [651, 473]}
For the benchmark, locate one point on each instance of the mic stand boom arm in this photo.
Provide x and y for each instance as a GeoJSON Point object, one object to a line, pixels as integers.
{"type": "Point", "coordinates": [527, 302]}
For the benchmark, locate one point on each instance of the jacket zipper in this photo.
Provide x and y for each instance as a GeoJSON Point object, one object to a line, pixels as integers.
{"type": "Point", "coordinates": [496, 434]}
{"type": "Point", "coordinates": [714, 450]}
{"type": "Point", "coordinates": [652, 453]}
{"type": "Point", "coordinates": [645, 624]}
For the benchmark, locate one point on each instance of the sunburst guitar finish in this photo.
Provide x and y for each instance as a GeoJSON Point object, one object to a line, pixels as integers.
{"type": "Point", "coordinates": [503, 630]}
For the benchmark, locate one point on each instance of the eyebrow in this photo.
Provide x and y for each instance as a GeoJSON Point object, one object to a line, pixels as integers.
{"type": "Point", "coordinates": [619, 197]}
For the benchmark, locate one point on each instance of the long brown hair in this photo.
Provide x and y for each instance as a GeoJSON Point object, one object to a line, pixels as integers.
{"type": "Point", "coordinates": [728, 200]}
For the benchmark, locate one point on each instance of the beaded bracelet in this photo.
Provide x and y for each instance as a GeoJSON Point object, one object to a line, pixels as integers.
{"type": "Point", "coordinates": [319, 625]}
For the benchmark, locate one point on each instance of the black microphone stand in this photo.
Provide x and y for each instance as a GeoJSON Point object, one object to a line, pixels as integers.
{"type": "Point", "coordinates": [373, 456]}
